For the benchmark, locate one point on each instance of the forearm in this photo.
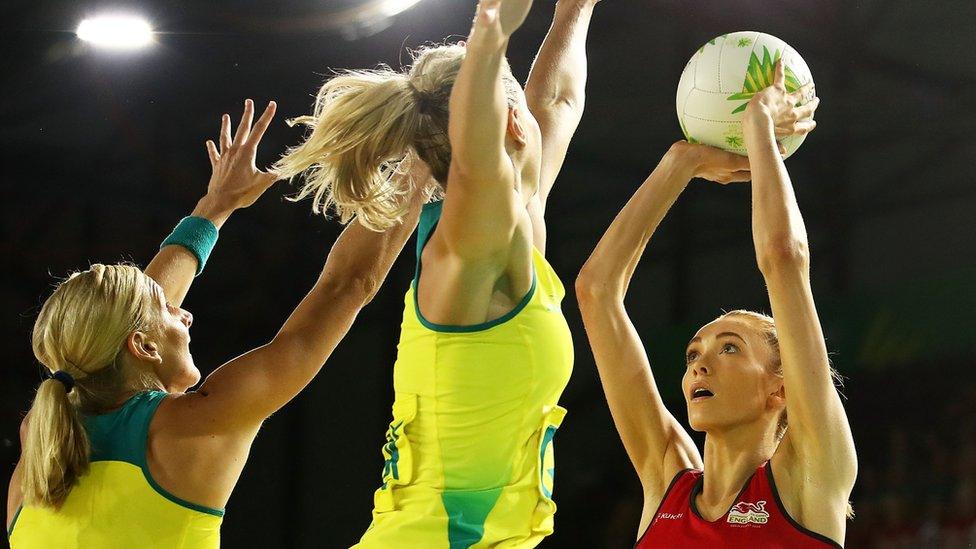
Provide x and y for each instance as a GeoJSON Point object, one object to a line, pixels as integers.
{"type": "Point", "coordinates": [355, 269]}
{"type": "Point", "coordinates": [248, 389]}
{"type": "Point", "coordinates": [479, 108]}
{"type": "Point", "coordinates": [612, 263]}
{"type": "Point", "coordinates": [558, 75]}
{"type": "Point", "coordinates": [778, 231]}
{"type": "Point", "coordinates": [174, 267]}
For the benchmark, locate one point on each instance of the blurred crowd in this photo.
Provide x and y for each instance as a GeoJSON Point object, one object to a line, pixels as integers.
{"type": "Point", "coordinates": [917, 487]}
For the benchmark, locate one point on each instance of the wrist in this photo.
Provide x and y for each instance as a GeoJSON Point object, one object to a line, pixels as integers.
{"type": "Point", "coordinates": [576, 4]}
{"type": "Point", "coordinates": [757, 129]}
{"type": "Point", "coordinates": [756, 115]}
{"type": "Point", "coordinates": [214, 208]}
{"type": "Point", "coordinates": [685, 157]}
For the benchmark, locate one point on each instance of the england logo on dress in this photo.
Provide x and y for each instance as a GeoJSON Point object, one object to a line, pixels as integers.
{"type": "Point", "coordinates": [745, 513]}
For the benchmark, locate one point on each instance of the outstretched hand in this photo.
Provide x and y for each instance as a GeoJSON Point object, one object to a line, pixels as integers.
{"type": "Point", "coordinates": [500, 18]}
{"type": "Point", "coordinates": [783, 107]}
{"type": "Point", "coordinates": [236, 181]}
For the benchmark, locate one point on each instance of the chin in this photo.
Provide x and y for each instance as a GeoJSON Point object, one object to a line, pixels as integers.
{"type": "Point", "coordinates": [189, 378]}
{"type": "Point", "coordinates": [701, 423]}
{"type": "Point", "coordinates": [697, 424]}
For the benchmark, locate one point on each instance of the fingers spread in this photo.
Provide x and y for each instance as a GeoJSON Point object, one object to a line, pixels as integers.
{"type": "Point", "coordinates": [805, 91]}
{"type": "Point", "coordinates": [244, 129]}
{"type": "Point", "coordinates": [780, 78]}
{"type": "Point", "coordinates": [804, 127]}
{"type": "Point", "coordinates": [804, 112]}
{"type": "Point", "coordinates": [224, 132]}
{"type": "Point", "coordinates": [262, 124]}
{"type": "Point", "coordinates": [212, 153]}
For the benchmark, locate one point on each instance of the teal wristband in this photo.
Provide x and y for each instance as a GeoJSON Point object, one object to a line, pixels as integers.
{"type": "Point", "coordinates": [196, 234]}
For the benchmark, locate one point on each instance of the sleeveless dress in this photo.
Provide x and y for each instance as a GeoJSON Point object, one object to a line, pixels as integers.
{"type": "Point", "coordinates": [756, 520]}
{"type": "Point", "coordinates": [117, 504]}
{"type": "Point", "coordinates": [469, 453]}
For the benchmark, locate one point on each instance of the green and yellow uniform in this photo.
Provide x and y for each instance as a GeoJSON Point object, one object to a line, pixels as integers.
{"type": "Point", "coordinates": [469, 453]}
{"type": "Point", "coordinates": [117, 504]}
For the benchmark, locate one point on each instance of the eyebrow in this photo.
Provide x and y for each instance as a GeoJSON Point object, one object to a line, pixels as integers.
{"type": "Point", "coordinates": [731, 334]}
{"type": "Point", "coordinates": [697, 339]}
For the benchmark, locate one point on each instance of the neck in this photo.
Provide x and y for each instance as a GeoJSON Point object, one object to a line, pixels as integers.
{"type": "Point", "coordinates": [134, 381]}
{"type": "Point", "coordinates": [732, 456]}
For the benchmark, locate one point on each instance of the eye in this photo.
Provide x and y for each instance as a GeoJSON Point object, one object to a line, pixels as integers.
{"type": "Point", "coordinates": [730, 348]}
{"type": "Point", "coordinates": [692, 355]}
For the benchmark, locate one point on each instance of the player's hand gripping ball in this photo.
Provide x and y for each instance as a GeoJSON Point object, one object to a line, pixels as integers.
{"type": "Point", "coordinates": [722, 77]}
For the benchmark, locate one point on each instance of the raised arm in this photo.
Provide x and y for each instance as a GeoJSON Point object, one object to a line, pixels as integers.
{"type": "Point", "coordinates": [239, 395]}
{"type": "Point", "coordinates": [657, 444]}
{"type": "Point", "coordinates": [555, 91]}
{"type": "Point", "coordinates": [818, 427]}
{"type": "Point", "coordinates": [234, 184]}
{"type": "Point", "coordinates": [481, 206]}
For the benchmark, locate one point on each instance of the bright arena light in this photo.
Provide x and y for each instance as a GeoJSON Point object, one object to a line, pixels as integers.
{"type": "Point", "coordinates": [390, 8]}
{"type": "Point", "coordinates": [118, 32]}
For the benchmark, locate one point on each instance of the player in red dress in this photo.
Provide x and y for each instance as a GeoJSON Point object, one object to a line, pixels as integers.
{"type": "Point", "coordinates": [765, 481]}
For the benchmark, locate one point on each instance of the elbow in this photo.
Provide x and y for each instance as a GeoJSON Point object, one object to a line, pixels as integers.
{"type": "Point", "coordinates": [783, 254]}
{"type": "Point", "coordinates": [593, 288]}
{"type": "Point", "coordinates": [363, 287]}
{"type": "Point", "coordinates": [360, 288]}
{"type": "Point", "coordinates": [560, 103]}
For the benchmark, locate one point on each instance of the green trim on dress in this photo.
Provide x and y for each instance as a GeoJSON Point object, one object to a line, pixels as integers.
{"type": "Point", "coordinates": [429, 217]}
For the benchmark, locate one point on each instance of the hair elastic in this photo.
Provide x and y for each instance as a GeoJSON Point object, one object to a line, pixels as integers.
{"type": "Point", "coordinates": [64, 377]}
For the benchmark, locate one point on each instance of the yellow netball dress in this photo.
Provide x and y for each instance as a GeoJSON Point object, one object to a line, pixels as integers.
{"type": "Point", "coordinates": [117, 504]}
{"type": "Point", "coordinates": [469, 453]}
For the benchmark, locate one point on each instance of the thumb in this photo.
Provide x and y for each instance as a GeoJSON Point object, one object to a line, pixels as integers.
{"type": "Point", "coordinates": [269, 178]}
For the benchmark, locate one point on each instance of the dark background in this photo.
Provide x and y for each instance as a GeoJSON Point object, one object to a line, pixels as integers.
{"type": "Point", "coordinates": [103, 153]}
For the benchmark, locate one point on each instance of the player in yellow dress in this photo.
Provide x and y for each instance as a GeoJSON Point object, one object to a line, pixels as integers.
{"type": "Point", "coordinates": [485, 351]}
{"type": "Point", "coordinates": [116, 453]}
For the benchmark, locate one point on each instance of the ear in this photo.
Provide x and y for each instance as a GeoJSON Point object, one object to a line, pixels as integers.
{"type": "Point", "coordinates": [142, 348]}
{"type": "Point", "coordinates": [515, 129]}
{"type": "Point", "coordinates": [777, 399]}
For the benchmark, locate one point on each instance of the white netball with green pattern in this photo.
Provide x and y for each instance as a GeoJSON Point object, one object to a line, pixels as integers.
{"type": "Point", "coordinates": [722, 76]}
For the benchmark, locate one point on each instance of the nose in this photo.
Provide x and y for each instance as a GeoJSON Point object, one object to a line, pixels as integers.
{"type": "Point", "coordinates": [186, 317]}
{"type": "Point", "coordinates": [700, 368]}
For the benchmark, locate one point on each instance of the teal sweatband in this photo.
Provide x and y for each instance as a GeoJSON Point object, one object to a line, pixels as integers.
{"type": "Point", "coordinates": [196, 234]}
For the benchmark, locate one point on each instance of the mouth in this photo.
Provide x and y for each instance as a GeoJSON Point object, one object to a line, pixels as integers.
{"type": "Point", "coordinates": [701, 394]}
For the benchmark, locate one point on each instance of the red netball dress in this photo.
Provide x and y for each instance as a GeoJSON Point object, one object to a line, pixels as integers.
{"type": "Point", "coordinates": [757, 519]}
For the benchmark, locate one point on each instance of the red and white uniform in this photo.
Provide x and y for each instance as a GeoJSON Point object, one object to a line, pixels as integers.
{"type": "Point", "coordinates": [756, 519]}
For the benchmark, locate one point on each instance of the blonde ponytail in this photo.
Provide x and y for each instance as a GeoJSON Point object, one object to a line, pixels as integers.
{"type": "Point", "coordinates": [365, 122]}
{"type": "Point", "coordinates": [81, 331]}
{"type": "Point", "coordinates": [56, 450]}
